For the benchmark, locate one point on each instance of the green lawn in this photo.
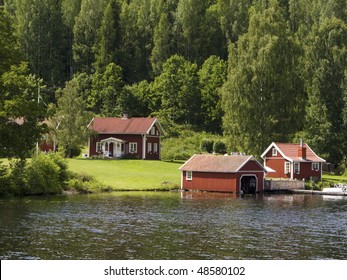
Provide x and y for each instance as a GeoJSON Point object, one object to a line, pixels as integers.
{"type": "Point", "coordinates": [130, 174]}
{"type": "Point", "coordinates": [334, 178]}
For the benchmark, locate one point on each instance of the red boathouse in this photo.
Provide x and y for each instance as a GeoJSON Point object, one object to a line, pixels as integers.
{"type": "Point", "coordinates": [223, 174]}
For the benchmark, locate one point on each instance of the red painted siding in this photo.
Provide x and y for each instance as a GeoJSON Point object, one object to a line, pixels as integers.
{"type": "Point", "coordinates": [205, 181]}
{"type": "Point", "coordinates": [251, 166]}
{"type": "Point", "coordinates": [276, 164]}
{"type": "Point", "coordinates": [306, 171]}
{"type": "Point", "coordinates": [153, 155]}
{"type": "Point", "coordinates": [219, 182]}
{"type": "Point", "coordinates": [128, 138]}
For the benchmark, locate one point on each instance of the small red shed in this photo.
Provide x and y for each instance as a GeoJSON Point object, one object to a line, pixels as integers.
{"type": "Point", "coordinates": [292, 161]}
{"type": "Point", "coordinates": [222, 174]}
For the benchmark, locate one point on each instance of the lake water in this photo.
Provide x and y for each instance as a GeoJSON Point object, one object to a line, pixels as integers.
{"type": "Point", "coordinates": [163, 225]}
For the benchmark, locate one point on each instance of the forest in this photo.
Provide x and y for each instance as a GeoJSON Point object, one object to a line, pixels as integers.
{"type": "Point", "coordinates": [251, 71]}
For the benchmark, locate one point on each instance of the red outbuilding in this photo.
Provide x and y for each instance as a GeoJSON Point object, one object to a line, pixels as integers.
{"type": "Point", "coordinates": [292, 161]}
{"type": "Point", "coordinates": [125, 137]}
{"type": "Point", "coordinates": [223, 174]}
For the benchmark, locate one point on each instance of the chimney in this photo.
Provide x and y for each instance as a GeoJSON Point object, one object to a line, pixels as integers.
{"type": "Point", "coordinates": [302, 150]}
{"type": "Point", "coordinates": [125, 116]}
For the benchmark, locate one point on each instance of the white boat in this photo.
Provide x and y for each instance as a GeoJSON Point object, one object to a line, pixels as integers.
{"type": "Point", "coordinates": [338, 188]}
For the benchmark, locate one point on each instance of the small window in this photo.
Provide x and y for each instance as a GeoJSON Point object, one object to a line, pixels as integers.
{"type": "Point", "coordinates": [133, 148]}
{"type": "Point", "coordinates": [98, 147]}
{"type": "Point", "coordinates": [189, 175]}
{"type": "Point", "coordinates": [149, 147]}
{"type": "Point", "coordinates": [315, 166]}
{"type": "Point", "coordinates": [297, 167]}
{"type": "Point", "coordinates": [155, 148]}
{"type": "Point", "coordinates": [287, 167]}
{"type": "Point", "coordinates": [274, 152]}
{"type": "Point", "coordinates": [153, 130]}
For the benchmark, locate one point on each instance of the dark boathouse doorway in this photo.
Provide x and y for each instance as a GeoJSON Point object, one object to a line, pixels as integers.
{"type": "Point", "coordinates": [249, 184]}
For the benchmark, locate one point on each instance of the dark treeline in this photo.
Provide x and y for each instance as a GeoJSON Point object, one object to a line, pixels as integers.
{"type": "Point", "coordinates": [256, 71]}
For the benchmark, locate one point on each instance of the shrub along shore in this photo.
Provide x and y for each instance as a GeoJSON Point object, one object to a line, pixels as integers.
{"type": "Point", "coordinates": [52, 174]}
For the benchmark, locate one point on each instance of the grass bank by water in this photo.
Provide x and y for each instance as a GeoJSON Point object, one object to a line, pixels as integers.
{"type": "Point", "coordinates": [130, 174]}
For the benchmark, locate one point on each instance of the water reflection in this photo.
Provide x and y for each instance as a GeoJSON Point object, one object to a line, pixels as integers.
{"type": "Point", "coordinates": [190, 225]}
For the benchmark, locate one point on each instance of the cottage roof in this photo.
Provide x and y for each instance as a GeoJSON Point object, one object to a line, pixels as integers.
{"type": "Point", "coordinates": [214, 163]}
{"type": "Point", "coordinates": [289, 151]}
{"type": "Point", "coordinates": [124, 125]}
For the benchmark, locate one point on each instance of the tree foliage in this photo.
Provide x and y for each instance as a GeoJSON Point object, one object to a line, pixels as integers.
{"type": "Point", "coordinates": [72, 119]}
{"type": "Point", "coordinates": [263, 96]}
{"type": "Point", "coordinates": [285, 61]}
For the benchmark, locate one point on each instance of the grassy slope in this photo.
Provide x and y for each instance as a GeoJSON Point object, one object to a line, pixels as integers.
{"type": "Point", "coordinates": [335, 178]}
{"type": "Point", "coordinates": [129, 174]}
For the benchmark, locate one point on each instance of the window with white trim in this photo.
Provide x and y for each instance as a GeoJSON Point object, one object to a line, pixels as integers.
{"type": "Point", "coordinates": [274, 152]}
{"type": "Point", "coordinates": [315, 166]}
{"type": "Point", "coordinates": [98, 147]}
{"type": "Point", "coordinates": [297, 167]}
{"type": "Point", "coordinates": [149, 147]}
{"type": "Point", "coordinates": [132, 147]}
{"type": "Point", "coordinates": [153, 130]}
{"type": "Point", "coordinates": [189, 175]}
{"type": "Point", "coordinates": [155, 147]}
{"type": "Point", "coordinates": [287, 167]}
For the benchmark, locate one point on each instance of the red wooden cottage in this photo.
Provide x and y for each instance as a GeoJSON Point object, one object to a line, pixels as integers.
{"type": "Point", "coordinates": [292, 161]}
{"type": "Point", "coordinates": [222, 174]}
{"type": "Point", "coordinates": [125, 137]}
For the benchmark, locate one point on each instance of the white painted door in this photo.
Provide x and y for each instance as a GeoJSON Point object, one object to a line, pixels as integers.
{"type": "Point", "coordinates": [117, 151]}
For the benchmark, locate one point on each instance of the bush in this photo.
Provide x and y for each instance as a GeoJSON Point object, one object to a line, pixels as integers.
{"type": "Point", "coordinates": [84, 183]}
{"type": "Point", "coordinates": [43, 176]}
{"type": "Point", "coordinates": [5, 182]}
{"type": "Point", "coordinates": [219, 147]}
{"type": "Point", "coordinates": [206, 146]}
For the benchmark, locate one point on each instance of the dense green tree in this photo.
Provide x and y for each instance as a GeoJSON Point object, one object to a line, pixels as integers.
{"type": "Point", "coordinates": [85, 30]}
{"type": "Point", "coordinates": [9, 53]}
{"type": "Point", "coordinates": [263, 97]}
{"type": "Point", "coordinates": [72, 118]}
{"type": "Point", "coordinates": [141, 100]}
{"type": "Point", "coordinates": [212, 76]}
{"type": "Point", "coordinates": [189, 28]}
{"type": "Point", "coordinates": [109, 37]}
{"type": "Point", "coordinates": [178, 89]}
{"type": "Point", "coordinates": [70, 10]}
{"type": "Point", "coordinates": [233, 17]}
{"type": "Point", "coordinates": [161, 48]}
{"type": "Point", "coordinates": [41, 36]}
{"type": "Point", "coordinates": [108, 90]}
{"type": "Point", "coordinates": [325, 69]}
{"type": "Point", "coordinates": [21, 115]}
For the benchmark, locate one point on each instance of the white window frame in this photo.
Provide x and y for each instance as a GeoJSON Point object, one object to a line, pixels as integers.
{"type": "Point", "coordinates": [153, 130]}
{"type": "Point", "coordinates": [315, 166]}
{"type": "Point", "coordinates": [189, 175]}
{"type": "Point", "coordinates": [155, 147]}
{"type": "Point", "coordinates": [274, 152]}
{"type": "Point", "coordinates": [98, 147]}
{"type": "Point", "coordinates": [287, 167]}
{"type": "Point", "coordinates": [297, 167]}
{"type": "Point", "coordinates": [149, 147]}
{"type": "Point", "coordinates": [133, 147]}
